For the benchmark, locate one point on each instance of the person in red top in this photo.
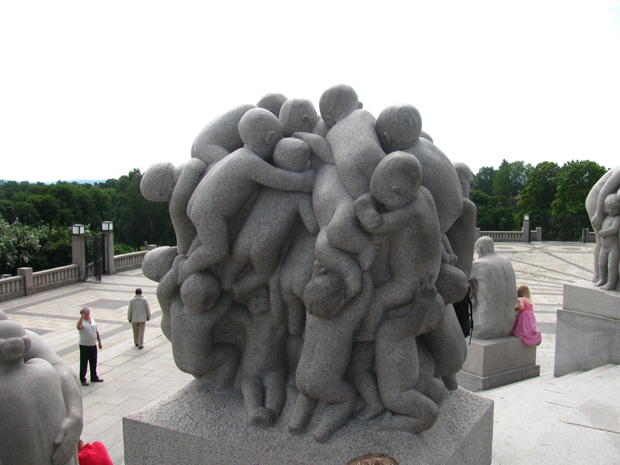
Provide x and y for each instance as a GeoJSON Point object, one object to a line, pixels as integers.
{"type": "Point", "coordinates": [93, 454]}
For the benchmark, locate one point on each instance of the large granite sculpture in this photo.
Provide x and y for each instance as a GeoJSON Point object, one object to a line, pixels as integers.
{"type": "Point", "coordinates": [312, 256]}
{"type": "Point", "coordinates": [588, 326]}
{"type": "Point", "coordinates": [494, 286]}
{"type": "Point", "coordinates": [40, 401]}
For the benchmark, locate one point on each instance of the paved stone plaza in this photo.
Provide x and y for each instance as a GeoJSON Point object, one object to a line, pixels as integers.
{"type": "Point", "coordinates": [134, 378]}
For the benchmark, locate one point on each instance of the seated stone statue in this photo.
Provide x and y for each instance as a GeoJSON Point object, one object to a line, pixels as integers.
{"type": "Point", "coordinates": [494, 287]}
{"type": "Point", "coordinates": [229, 185]}
{"type": "Point", "coordinates": [32, 406]}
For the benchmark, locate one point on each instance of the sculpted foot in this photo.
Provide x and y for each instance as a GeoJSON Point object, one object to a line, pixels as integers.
{"type": "Point", "coordinates": [370, 411]}
{"type": "Point", "coordinates": [304, 409]}
{"type": "Point", "coordinates": [367, 257]}
{"type": "Point", "coordinates": [263, 417]}
{"type": "Point", "coordinates": [450, 382]}
{"type": "Point", "coordinates": [353, 285]}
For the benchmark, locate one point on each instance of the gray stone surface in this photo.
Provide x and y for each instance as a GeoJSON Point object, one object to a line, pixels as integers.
{"type": "Point", "coordinates": [492, 363]}
{"type": "Point", "coordinates": [603, 192]}
{"type": "Point", "coordinates": [32, 402]}
{"type": "Point", "coordinates": [588, 329]}
{"type": "Point", "coordinates": [306, 256]}
{"type": "Point", "coordinates": [494, 286]}
{"type": "Point", "coordinates": [193, 426]}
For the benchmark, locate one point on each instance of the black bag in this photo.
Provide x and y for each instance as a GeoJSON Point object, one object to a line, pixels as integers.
{"type": "Point", "coordinates": [464, 313]}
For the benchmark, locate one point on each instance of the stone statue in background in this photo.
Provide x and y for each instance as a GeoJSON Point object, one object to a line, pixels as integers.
{"type": "Point", "coordinates": [332, 293]}
{"type": "Point", "coordinates": [494, 286]}
{"type": "Point", "coordinates": [37, 421]}
{"type": "Point", "coordinates": [608, 185]}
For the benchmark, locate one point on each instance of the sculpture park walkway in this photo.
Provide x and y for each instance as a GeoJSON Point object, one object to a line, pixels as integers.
{"type": "Point", "coordinates": [134, 378]}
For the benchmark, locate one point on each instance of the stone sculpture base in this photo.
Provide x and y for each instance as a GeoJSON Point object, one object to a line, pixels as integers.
{"type": "Point", "coordinates": [492, 363]}
{"type": "Point", "coordinates": [588, 329]}
{"type": "Point", "coordinates": [195, 425]}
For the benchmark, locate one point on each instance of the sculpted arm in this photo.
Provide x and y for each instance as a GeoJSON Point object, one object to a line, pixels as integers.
{"type": "Point", "coordinates": [611, 185]}
{"type": "Point", "coordinates": [393, 221]}
{"type": "Point", "coordinates": [71, 428]}
{"type": "Point", "coordinates": [307, 215]}
{"type": "Point", "coordinates": [615, 227]}
{"type": "Point", "coordinates": [276, 178]}
{"type": "Point", "coordinates": [319, 146]}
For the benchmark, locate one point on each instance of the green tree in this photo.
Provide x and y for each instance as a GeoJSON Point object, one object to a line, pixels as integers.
{"type": "Point", "coordinates": [510, 178]}
{"type": "Point", "coordinates": [575, 180]}
{"type": "Point", "coordinates": [539, 193]}
{"type": "Point", "coordinates": [494, 213]}
{"type": "Point", "coordinates": [484, 179]}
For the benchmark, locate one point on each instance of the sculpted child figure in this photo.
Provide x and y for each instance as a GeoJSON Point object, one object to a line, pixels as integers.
{"type": "Point", "coordinates": [412, 227]}
{"type": "Point", "coordinates": [352, 138]}
{"type": "Point", "coordinates": [270, 223]}
{"type": "Point", "coordinates": [32, 407]}
{"type": "Point", "coordinates": [326, 354]}
{"type": "Point", "coordinates": [163, 182]}
{"type": "Point", "coordinates": [263, 369]}
{"type": "Point", "coordinates": [609, 253]}
{"type": "Point", "coordinates": [413, 405]}
{"type": "Point", "coordinates": [229, 185]}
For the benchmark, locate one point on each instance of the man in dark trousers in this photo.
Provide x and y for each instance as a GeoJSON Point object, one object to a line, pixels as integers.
{"type": "Point", "coordinates": [89, 339]}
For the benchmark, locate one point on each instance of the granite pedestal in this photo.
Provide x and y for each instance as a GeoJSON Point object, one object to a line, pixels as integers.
{"type": "Point", "coordinates": [588, 329]}
{"type": "Point", "coordinates": [196, 425]}
{"type": "Point", "coordinates": [492, 363]}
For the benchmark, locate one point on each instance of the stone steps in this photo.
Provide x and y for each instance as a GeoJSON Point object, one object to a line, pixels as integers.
{"type": "Point", "coordinates": [572, 419]}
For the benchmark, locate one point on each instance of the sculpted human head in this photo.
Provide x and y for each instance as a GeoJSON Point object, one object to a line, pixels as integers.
{"type": "Point", "coordinates": [260, 131]}
{"type": "Point", "coordinates": [158, 182]}
{"type": "Point", "coordinates": [158, 262]}
{"type": "Point", "coordinates": [484, 246]}
{"type": "Point", "coordinates": [396, 180]}
{"type": "Point", "coordinates": [298, 115]}
{"type": "Point", "coordinates": [337, 103]}
{"type": "Point", "coordinates": [272, 102]}
{"type": "Point", "coordinates": [200, 292]}
{"type": "Point", "coordinates": [612, 205]}
{"type": "Point", "coordinates": [398, 127]}
{"type": "Point", "coordinates": [466, 178]}
{"type": "Point", "coordinates": [14, 342]}
{"type": "Point", "coordinates": [291, 154]}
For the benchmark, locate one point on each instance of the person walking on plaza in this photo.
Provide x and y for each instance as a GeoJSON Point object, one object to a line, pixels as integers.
{"type": "Point", "coordinates": [138, 314]}
{"type": "Point", "coordinates": [89, 338]}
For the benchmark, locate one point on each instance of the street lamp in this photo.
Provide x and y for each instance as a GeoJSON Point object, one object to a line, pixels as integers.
{"type": "Point", "coordinates": [107, 226]}
{"type": "Point", "coordinates": [526, 217]}
{"type": "Point", "coordinates": [77, 229]}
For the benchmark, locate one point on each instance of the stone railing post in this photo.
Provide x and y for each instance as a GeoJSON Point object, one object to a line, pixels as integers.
{"type": "Point", "coordinates": [26, 272]}
{"type": "Point", "coordinates": [109, 251]}
{"type": "Point", "coordinates": [526, 229]}
{"type": "Point", "coordinates": [78, 254]}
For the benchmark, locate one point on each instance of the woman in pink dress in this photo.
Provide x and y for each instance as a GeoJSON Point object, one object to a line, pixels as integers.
{"type": "Point", "coordinates": [525, 323]}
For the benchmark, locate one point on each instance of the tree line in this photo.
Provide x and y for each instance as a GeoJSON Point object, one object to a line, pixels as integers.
{"type": "Point", "coordinates": [35, 218]}
{"type": "Point", "coordinates": [553, 196]}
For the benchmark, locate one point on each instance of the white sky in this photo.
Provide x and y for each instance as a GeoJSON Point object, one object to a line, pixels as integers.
{"type": "Point", "coordinates": [90, 90]}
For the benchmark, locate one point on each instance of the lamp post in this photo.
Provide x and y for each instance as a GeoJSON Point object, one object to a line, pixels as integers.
{"type": "Point", "coordinates": [78, 250]}
{"type": "Point", "coordinates": [108, 232]}
{"type": "Point", "coordinates": [526, 228]}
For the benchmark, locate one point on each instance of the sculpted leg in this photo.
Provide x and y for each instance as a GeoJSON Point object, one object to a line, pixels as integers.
{"type": "Point", "coordinates": [340, 263]}
{"type": "Point", "coordinates": [304, 409]}
{"type": "Point", "coordinates": [365, 380]}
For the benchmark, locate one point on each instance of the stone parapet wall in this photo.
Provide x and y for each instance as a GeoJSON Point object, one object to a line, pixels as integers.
{"type": "Point", "coordinates": [128, 261]}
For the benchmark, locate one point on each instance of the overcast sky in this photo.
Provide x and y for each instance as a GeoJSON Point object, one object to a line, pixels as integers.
{"type": "Point", "coordinates": [91, 90]}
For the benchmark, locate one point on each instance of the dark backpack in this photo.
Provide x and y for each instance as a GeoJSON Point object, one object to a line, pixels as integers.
{"type": "Point", "coordinates": [463, 310]}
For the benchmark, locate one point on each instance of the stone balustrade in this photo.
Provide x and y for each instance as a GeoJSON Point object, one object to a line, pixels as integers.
{"type": "Point", "coordinates": [128, 261]}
